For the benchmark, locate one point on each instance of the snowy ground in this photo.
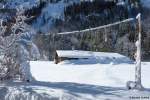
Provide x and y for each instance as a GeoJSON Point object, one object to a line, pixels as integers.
{"type": "Point", "coordinates": [67, 91]}
{"type": "Point", "coordinates": [114, 75]}
{"type": "Point", "coordinates": [103, 77]}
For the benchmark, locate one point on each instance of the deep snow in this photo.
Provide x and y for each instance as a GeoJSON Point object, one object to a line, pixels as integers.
{"type": "Point", "coordinates": [84, 79]}
{"type": "Point", "coordinates": [94, 73]}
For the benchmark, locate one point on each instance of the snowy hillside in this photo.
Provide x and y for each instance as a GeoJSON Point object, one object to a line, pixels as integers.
{"type": "Point", "coordinates": [146, 3]}
{"type": "Point", "coordinates": [22, 4]}
{"type": "Point", "coordinates": [48, 16]}
{"type": "Point", "coordinates": [50, 13]}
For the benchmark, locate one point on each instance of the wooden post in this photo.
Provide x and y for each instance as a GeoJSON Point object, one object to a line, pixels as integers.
{"type": "Point", "coordinates": [54, 46]}
{"type": "Point", "coordinates": [138, 56]}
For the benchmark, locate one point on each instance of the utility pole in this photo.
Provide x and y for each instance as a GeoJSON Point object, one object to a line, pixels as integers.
{"type": "Point", "coordinates": [138, 84]}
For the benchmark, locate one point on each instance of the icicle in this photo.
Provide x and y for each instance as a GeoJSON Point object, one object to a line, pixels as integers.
{"type": "Point", "coordinates": [105, 35]}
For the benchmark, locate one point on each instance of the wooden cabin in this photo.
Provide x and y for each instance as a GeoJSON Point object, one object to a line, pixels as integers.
{"type": "Point", "coordinates": [61, 55]}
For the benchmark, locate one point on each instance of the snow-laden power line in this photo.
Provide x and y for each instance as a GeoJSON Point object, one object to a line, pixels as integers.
{"type": "Point", "coordinates": [96, 28]}
{"type": "Point", "coordinates": [99, 27]}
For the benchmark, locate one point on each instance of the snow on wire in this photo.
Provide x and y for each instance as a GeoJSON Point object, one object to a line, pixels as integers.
{"type": "Point", "coordinates": [96, 28]}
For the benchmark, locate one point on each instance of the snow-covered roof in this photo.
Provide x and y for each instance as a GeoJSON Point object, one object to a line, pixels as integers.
{"type": "Point", "coordinates": [74, 53]}
{"type": "Point", "coordinates": [102, 57]}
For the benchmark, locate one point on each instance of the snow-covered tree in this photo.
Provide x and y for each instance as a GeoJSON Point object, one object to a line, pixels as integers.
{"type": "Point", "coordinates": [16, 49]}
